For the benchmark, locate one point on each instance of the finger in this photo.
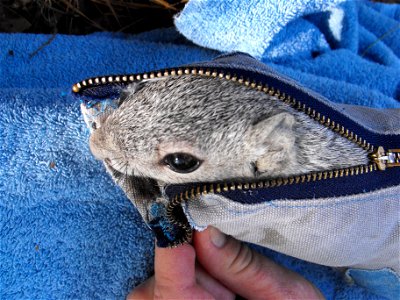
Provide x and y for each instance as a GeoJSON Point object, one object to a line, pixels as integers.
{"type": "Point", "coordinates": [213, 286]}
{"type": "Point", "coordinates": [246, 272]}
{"type": "Point", "coordinates": [175, 275]}
{"type": "Point", "coordinates": [175, 267]}
{"type": "Point", "coordinates": [143, 291]}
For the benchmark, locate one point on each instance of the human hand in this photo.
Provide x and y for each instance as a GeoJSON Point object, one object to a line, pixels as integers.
{"type": "Point", "coordinates": [224, 267]}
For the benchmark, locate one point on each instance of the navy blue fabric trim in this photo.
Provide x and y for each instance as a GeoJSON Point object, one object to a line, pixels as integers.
{"type": "Point", "coordinates": [166, 233]}
{"type": "Point", "coordinates": [246, 67]}
{"type": "Point", "coordinates": [255, 70]}
{"type": "Point", "coordinates": [308, 98]}
{"type": "Point", "coordinates": [102, 91]}
{"type": "Point", "coordinates": [336, 187]}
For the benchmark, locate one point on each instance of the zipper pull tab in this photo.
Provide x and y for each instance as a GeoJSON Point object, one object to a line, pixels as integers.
{"type": "Point", "coordinates": [388, 159]}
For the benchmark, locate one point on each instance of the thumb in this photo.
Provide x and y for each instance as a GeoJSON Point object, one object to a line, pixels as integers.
{"type": "Point", "coordinates": [246, 272]}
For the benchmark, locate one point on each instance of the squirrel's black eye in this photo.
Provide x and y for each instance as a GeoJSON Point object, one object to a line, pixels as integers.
{"type": "Point", "coordinates": [182, 162]}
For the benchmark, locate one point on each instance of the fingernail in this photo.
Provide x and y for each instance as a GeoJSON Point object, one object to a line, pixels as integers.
{"type": "Point", "coordinates": [218, 239]}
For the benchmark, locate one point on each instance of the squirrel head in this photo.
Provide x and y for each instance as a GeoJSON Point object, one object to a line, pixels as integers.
{"type": "Point", "coordinates": [190, 129]}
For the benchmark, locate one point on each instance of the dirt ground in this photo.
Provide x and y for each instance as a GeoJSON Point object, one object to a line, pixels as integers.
{"type": "Point", "coordinates": [86, 16]}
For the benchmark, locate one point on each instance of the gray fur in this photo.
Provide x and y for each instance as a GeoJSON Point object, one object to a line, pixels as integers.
{"type": "Point", "coordinates": [237, 131]}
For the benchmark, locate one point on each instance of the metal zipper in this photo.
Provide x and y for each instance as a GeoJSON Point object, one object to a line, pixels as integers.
{"type": "Point", "coordinates": [388, 159]}
{"type": "Point", "coordinates": [379, 158]}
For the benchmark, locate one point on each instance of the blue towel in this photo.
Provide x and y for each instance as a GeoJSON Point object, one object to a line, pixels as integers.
{"type": "Point", "coordinates": [347, 51]}
{"type": "Point", "coordinates": [66, 231]}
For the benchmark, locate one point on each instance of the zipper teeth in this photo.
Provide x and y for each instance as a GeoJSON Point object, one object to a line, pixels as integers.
{"type": "Point", "coordinates": [397, 157]}
{"type": "Point", "coordinates": [215, 188]}
{"type": "Point", "coordinates": [204, 189]}
{"type": "Point", "coordinates": [312, 113]}
{"type": "Point", "coordinates": [184, 239]}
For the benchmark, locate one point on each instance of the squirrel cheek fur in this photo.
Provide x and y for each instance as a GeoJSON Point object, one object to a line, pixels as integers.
{"type": "Point", "coordinates": [238, 132]}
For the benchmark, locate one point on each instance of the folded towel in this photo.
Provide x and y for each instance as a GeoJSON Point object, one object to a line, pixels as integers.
{"type": "Point", "coordinates": [347, 51]}
{"type": "Point", "coordinates": [240, 25]}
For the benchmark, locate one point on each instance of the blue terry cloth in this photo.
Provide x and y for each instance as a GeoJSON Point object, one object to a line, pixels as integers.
{"type": "Point", "coordinates": [385, 281]}
{"type": "Point", "coordinates": [245, 26]}
{"type": "Point", "coordinates": [28, 61]}
{"type": "Point", "coordinates": [347, 51]}
{"type": "Point", "coordinates": [66, 230]}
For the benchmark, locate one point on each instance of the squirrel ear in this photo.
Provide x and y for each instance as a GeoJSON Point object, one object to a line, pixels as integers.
{"type": "Point", "coordinates": [273, 140]}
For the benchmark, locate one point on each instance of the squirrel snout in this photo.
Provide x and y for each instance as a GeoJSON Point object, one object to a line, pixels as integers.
{"type": "Point", "coordinates": [96, 145]}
